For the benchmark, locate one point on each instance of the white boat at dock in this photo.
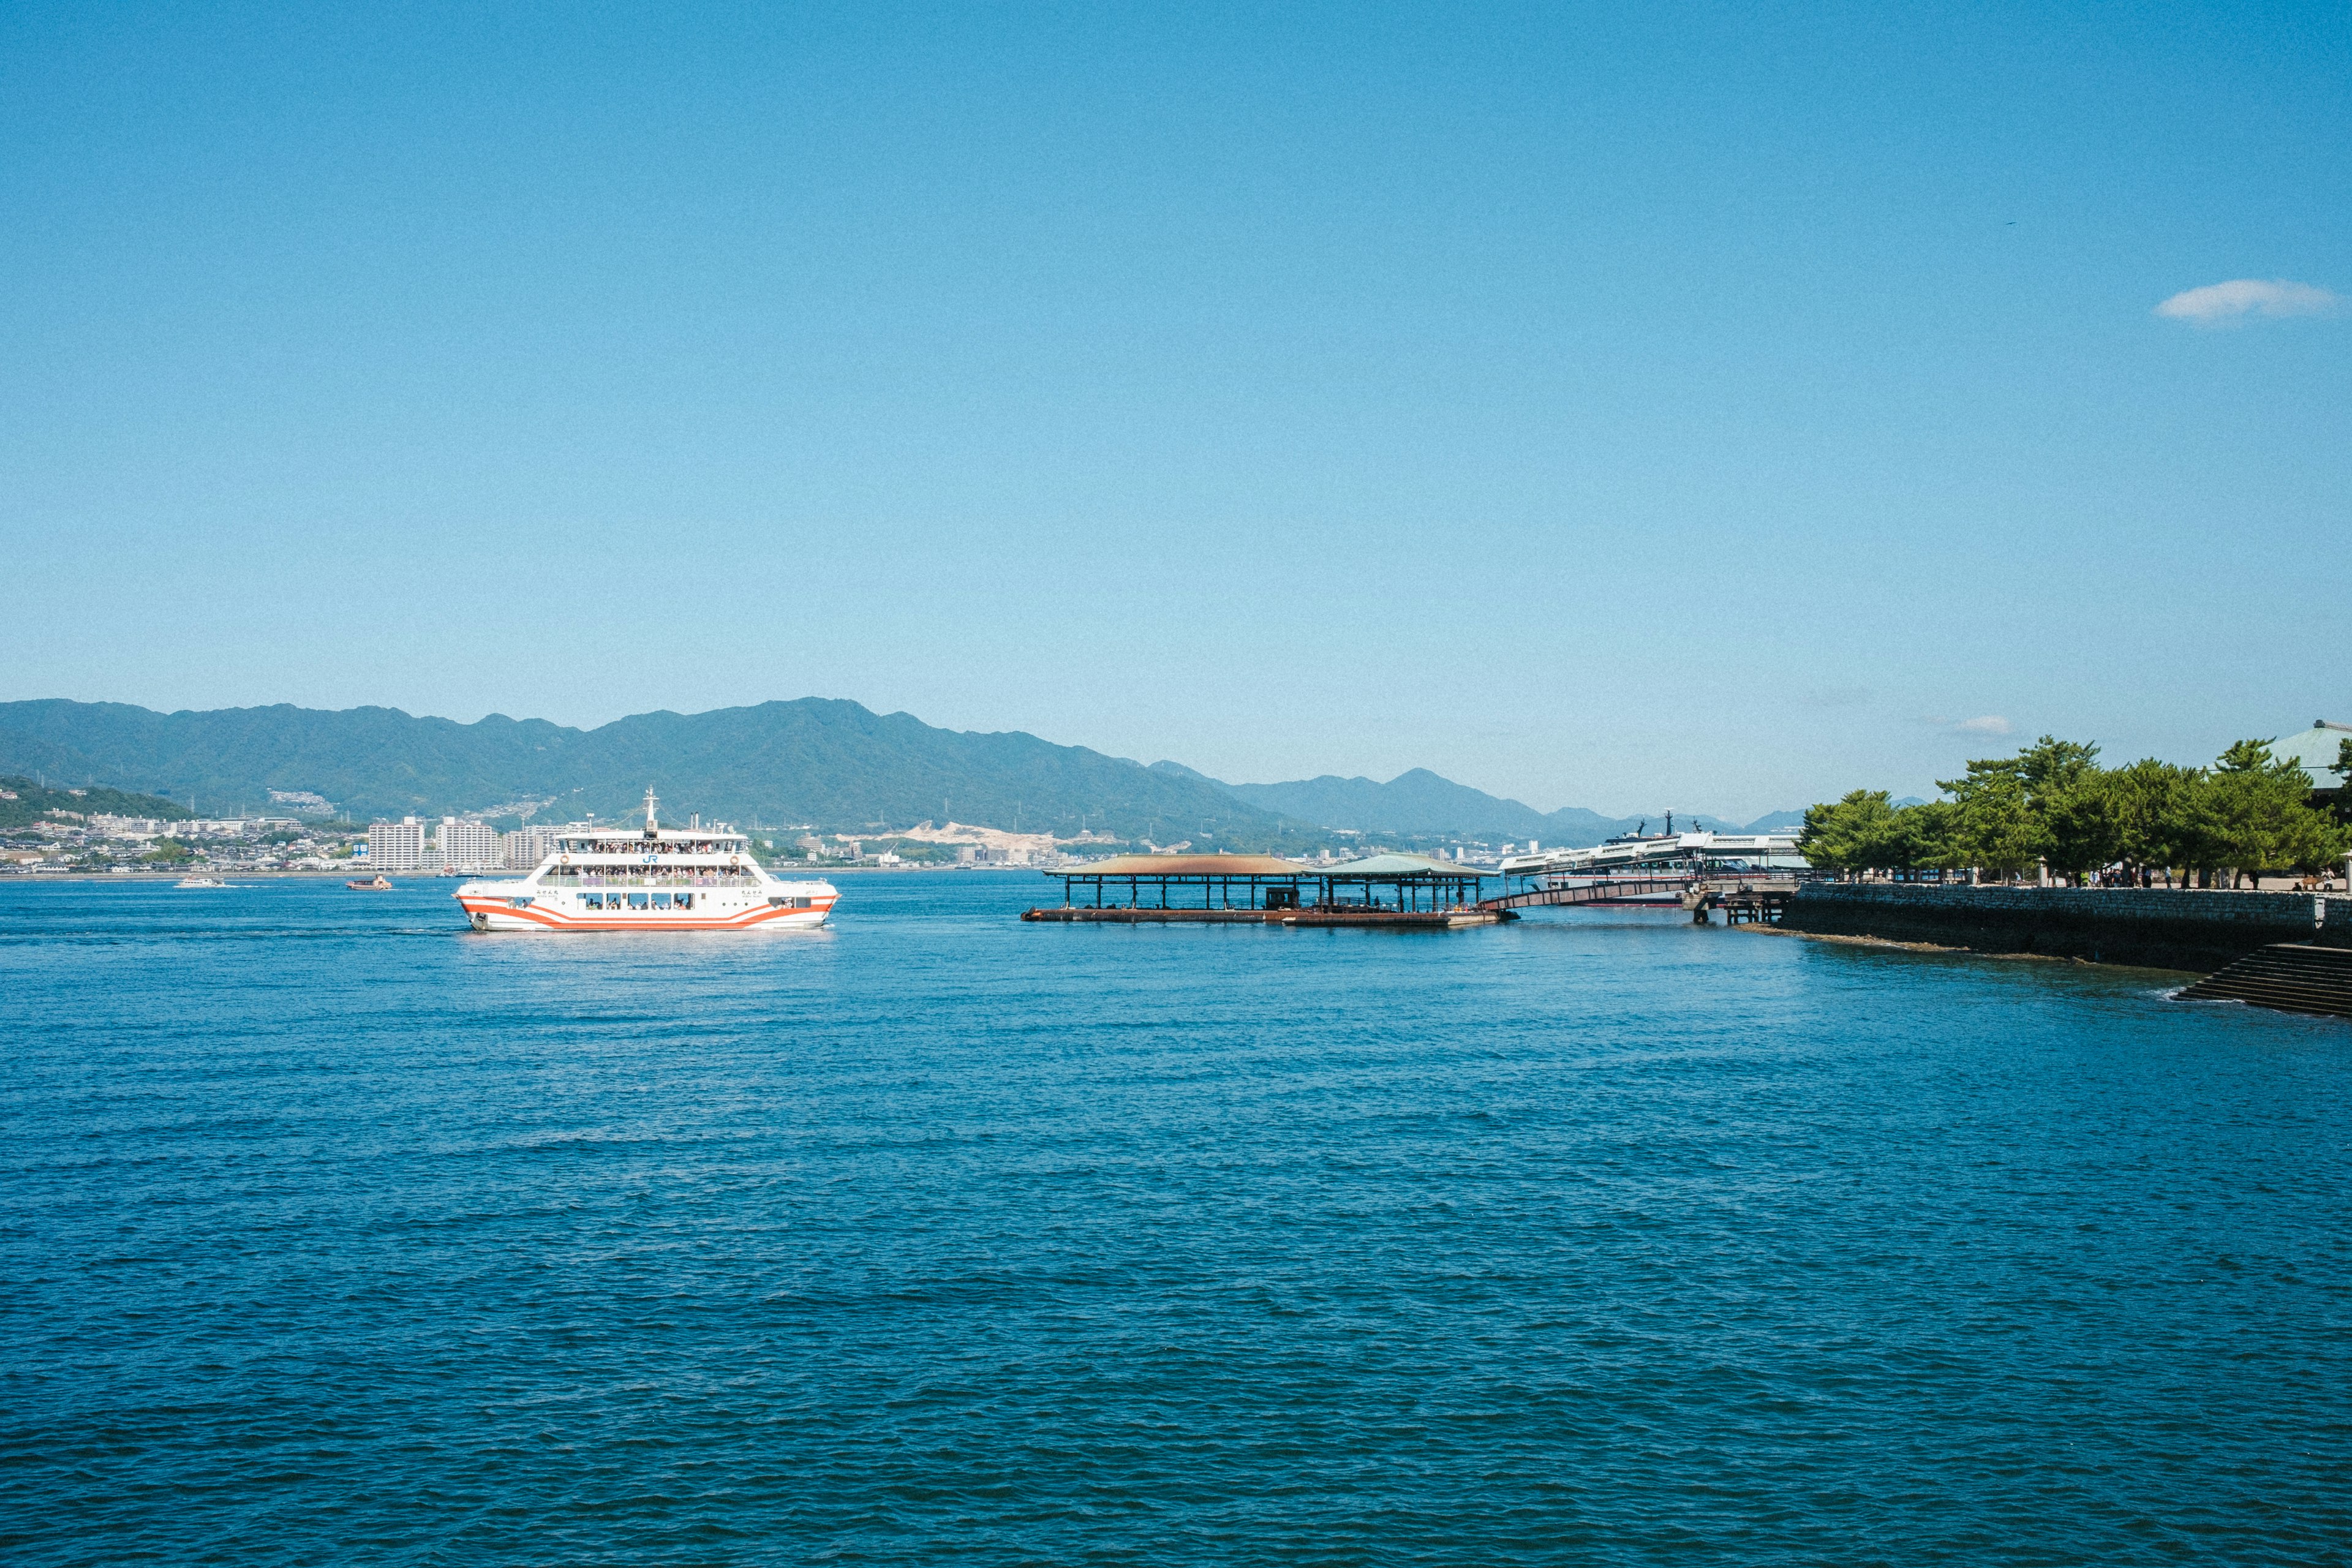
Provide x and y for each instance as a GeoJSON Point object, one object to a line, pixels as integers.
{"type": "Point", "coordinates": [1641, 858]}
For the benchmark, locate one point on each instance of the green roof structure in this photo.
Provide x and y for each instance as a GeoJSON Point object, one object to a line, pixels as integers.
{"type": "Point", "coordinates": [2315, 752]}
{"type": "Point", "coordinates": [1381, 865]}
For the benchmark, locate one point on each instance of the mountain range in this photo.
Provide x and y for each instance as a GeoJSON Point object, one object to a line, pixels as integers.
{"type": "Point", "coordinates": [1423, 803]}
{"type": "Point", "coordinates": [822, 763]}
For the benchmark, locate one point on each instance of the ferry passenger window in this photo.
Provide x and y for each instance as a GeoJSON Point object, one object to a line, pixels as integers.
{"type": "Point", "coordinates": [592, 901]}
{"type": "Point", "coordinates": [661, 900]}
{"type": "Point", "coordinates": [685, 901]}
{"type": "Point", "coordinates": [636, 900]}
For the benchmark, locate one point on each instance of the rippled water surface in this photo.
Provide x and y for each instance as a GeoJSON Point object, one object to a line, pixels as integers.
{"type": "Point", "coordinates": [333, 1232]}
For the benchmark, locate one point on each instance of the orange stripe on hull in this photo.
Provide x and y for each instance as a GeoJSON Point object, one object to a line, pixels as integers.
{"type": "Point", "coordinates": [549, 920]}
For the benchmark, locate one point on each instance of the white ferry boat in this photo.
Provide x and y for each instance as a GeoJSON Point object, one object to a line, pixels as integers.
{"type": "Point", "coordinates": [1641, 855]}
{"type": "Point", "coordinates": [653, 878]}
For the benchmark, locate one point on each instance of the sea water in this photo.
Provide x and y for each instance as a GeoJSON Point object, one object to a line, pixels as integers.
{"type": "Point", "coordinates": [331, 1231]}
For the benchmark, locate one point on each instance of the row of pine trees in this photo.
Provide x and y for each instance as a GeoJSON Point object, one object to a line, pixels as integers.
{"type": "Point", "coordinates": [2051, 805]}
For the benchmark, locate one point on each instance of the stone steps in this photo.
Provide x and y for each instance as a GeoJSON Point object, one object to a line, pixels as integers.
{"type": "Point", "coordinates": [2295, 977]}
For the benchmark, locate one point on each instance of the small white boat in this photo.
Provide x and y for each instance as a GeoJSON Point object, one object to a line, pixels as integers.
{"type": "Point", "coordinates": [200, 882]}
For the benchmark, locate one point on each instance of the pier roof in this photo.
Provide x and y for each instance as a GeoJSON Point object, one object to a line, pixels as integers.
{"type": "Point", "coordinates": [1188, 866]}
{"type": "Point", "coordinates": [1385, 866]}
{"type": "Point", "coordinates": [2314, 751]}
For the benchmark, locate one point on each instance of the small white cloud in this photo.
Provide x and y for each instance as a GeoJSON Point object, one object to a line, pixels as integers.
{"type": "Point", "coordinates": [1989, 724]}
{"type": "Point", "coordinates": [2227, 304]}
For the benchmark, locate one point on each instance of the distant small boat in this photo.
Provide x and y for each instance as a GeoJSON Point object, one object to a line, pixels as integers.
{"type": "Point", "coordinates": [381, 884]}
{"type": "Point", "coordinates": [200, 882]}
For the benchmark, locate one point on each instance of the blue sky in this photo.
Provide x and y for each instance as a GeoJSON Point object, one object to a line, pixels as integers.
{"type": "Point", "coordinates": [1706, 406]}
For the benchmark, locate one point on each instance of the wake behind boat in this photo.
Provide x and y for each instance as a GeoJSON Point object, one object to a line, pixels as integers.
{"type": "Point", "coordinates": [620, 878]}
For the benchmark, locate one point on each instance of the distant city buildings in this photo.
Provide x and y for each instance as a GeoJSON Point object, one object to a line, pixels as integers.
{"type": "Point", "coordinates": [396, 846]}
{"type": "Point", "coordinates": [998, 855]}
{"type": "Point", "coordinates": [468, 845]}
{"type": "Point", "coordinates": [524, 849]}
{"type": "Point", "coordinates": [185, 829]}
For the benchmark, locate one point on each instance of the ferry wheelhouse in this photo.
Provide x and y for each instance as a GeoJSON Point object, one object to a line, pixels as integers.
{"type": "Point", "coordinates": [649, 879]}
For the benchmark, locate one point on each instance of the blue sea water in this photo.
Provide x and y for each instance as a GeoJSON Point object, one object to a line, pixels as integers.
{"type": "Point", "coordinates": [332, 1232]}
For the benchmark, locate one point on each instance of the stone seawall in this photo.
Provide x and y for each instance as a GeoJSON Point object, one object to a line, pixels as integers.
{"type": "Point", "coordinates": [2157, 927]}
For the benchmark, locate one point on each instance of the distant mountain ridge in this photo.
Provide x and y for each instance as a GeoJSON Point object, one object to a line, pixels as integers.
{"type": "Point", "coordinates": [1421, 803]}
{"type": "Point", "coordinates": [832, 765]}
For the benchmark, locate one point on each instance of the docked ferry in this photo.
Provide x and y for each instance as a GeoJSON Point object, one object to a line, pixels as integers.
{"type": "Point", "coordinates": [649, 879]}
{"type": "Point", "coordinates": [1642, 857]}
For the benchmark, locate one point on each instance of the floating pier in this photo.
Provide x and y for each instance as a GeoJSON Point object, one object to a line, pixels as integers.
{"type": "Point", "coordinates": [1312, 915]}
{"type": "Point", "coordinates": [1408, 892]}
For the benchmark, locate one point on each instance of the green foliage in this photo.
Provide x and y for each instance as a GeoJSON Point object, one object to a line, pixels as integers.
{"type": "Point", "coordinates": [2151, 805]}
{"type": "Point", "coordinates": [34, 802]}
{"type": "Point", "coordinates": [2254, 813]}
{"type": "Point", "coordinates": [2052, 803]}
{"type": "Point", "coordinates": [1993, 820]}
{"type": "Point", "coordinates": [2066, 797]}
{"type": "Point", "coordinates": [1927, 836]}
{"type": "Point", "coordinates": [167, 851]}
{"type": "Point", "coordinates": [1864, 831]}
{"type": "Point", "coordinates": [1844, 836]}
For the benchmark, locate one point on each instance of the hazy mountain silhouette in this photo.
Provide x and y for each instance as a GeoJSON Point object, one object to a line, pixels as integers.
{"type": "Point", "coordinates": [828, 763]}
{"type": "Point", "coordinates": [1421, 802]}
{"type": "Point", "coordinates": [834, 764]}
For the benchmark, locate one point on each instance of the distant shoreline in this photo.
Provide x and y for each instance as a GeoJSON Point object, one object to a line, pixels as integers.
{"type": "Point", "coordinates": [797, 868]}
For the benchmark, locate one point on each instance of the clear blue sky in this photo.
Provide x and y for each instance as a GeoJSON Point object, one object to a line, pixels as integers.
{"type": "Point", "coordinates": [1706, 407]}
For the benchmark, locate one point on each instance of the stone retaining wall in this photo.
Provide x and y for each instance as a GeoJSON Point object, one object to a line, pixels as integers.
{"type": "Point", "coordinates": [2155, 927]}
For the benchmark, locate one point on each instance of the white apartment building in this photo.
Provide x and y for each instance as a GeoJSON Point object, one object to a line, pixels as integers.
{"type": "Point", "coordinates": [468, 845]}
{"type": "Point", "coordinates": [524, 849]}
{"type": "Point", "coordinates": [396, 846]}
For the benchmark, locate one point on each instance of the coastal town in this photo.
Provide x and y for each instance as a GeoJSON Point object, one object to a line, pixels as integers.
{"type": "Point", "coordinates": [64, 831]}
{"type": "Point", "coordinates": [2048, 815]}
